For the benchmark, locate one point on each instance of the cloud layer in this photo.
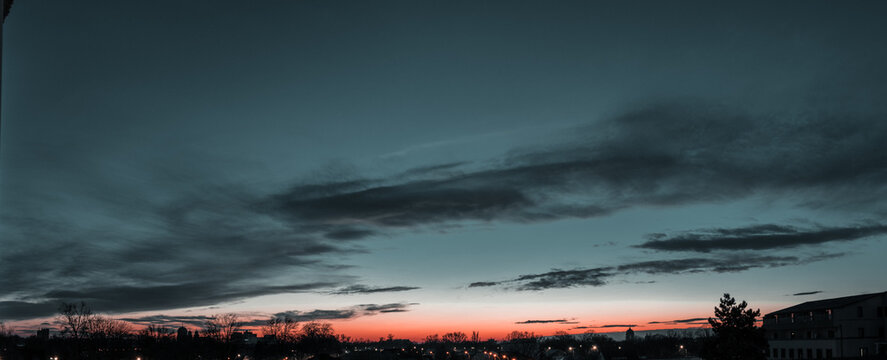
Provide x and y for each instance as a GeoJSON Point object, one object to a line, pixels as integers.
{"type": "Point", "coordinates": [175, 239]}
{"type": "Point", "coordinates": [558, 321]}
{"type": "Point", "coordinates": [759, 237]}
{"type": "Point", "coordinates": [347, 313]}
{"type": "Point", "coordinates": [363, 289]}
{"type": "Point", "coordinates": [692, 321]}
{"type": "Point", "coordinates": [600, 276]}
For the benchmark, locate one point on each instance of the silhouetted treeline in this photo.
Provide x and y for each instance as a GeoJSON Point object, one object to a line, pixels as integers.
{"type": "Point", "coordinates": [84, 335]}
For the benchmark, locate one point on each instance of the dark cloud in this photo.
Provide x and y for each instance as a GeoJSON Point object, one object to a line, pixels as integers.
{"type": "Point", "coordinates": [118, 299]}
{"type": "Point", "coordinates": [483, 284]}
{"type": "Point", "coordinates": [563, 278]}
{"type": "Point", "coordinates": [203, 249]}
{"type": "Point", "coordinates": [167, 320]}
{"type": "Point", "coordinates": [617, 326]}
{"type": "Point", "coordinates": [682, 321]}
{"type": "Point", "coordinates": [185, 237]}
{"type": "Point", "coordinates": [807, 293]}
{"type": "Point", "coordinates": [559, 321]}
{"type": "Point", "coordinates": [348, 313]}
{"type": "Point", "coordinates": [759, 237]}
{"type": "Point", "coordinates": [599, 276]}
{"type": "Point", "coordinates": [363, 289]}
{"type": "Point", "coordinates": [664, 155]}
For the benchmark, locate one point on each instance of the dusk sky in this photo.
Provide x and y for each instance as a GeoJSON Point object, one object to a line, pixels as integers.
{"type": "Point", "coordinates": [420, 167]}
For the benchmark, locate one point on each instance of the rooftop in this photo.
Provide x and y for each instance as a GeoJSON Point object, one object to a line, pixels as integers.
{"type": "Point", "coordinates": [826, 303]}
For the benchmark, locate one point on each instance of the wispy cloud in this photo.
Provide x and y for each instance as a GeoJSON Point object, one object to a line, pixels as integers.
{"type": "Point", "coordinates": [617, 325]}
{"type": "Point", "coordinates": [363, 289]}
{"type": "Point", "coordinates": [694, 321]}
{"type": "Point", "coordinates": [169, 320]}
{"type": "Point", "coordinates": [558, 321]}
{"type": "Point", "coordinates": [118, 299]}
{"type": "Point", "coordinates": [663, 155]}
{"type": "Point", "coordinates": [807, 293]}
{"type": "Point", "coordinates": [601, 275]}
{"type": "Point", "coordinates": [759, 237]}
{"type": "Point", "coordinates": [347, 313]}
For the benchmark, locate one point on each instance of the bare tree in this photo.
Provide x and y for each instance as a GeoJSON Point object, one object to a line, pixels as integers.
{"type": "Point", "coordinates": [75, 319]}
{"type": "Point", "coordinates": [156, 332]}
{"type": "Point", "coordinates": [318, 338]}
{"type": "Point", "coordinates": [105, 327]}
{"type": "Point", "coordinates": [455, 337]}
{"type": "Point", "coordinates": [283, 329]}
{"type": "Point", "coordinates": [520, 335]}
{"type": "Point", "coordinates": [223, 326]}
{"type": "Point", "coordinates": [522, 342]}
{"type": "Point", "coordinates": [430, 339]}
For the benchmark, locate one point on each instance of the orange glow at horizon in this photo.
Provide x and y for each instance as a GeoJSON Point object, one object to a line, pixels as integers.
{"type": "Point", "coordinates": [494, 322]}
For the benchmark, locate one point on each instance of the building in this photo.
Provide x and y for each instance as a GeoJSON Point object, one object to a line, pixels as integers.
{"type": "Point", "coordinates": [845, 327]}
{"type": "Point", "coordinates": [183, 334]}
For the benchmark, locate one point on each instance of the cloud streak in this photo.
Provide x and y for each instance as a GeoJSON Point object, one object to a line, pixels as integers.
{"type": "Point", "coordinates": [617, 326]}
{"type": "Point", "coordinates": [558, 321]}
{"type": "Point", "coordinates": [759, 237]}
{"type": "Point", "coordinates": [600, 276]}
{"type": "Point", "coordinates": [695, 321]}
{"type": "Point", "coordinates": [347, 313]}
{"type": "Point", "coordinates": [363, 289]}
{"type": "Point", "coordinates": [663, 155]}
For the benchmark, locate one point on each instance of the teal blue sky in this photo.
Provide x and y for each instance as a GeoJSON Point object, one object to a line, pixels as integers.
{"type": "Point", "coordinates": [277, 157]}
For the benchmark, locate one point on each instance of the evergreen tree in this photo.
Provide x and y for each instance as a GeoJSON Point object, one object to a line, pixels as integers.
{"type": "Point", "coordinates": [736, 336]}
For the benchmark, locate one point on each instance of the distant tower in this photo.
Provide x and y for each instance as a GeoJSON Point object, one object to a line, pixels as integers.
{"type": "Point", "coordinates": [629, 335]}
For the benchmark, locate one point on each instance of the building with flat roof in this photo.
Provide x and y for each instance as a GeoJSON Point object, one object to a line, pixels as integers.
{"type": "Point", "coordinates": [845, 327]}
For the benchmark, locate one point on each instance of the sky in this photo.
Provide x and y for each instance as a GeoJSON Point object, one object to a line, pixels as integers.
{"type": "Point", "coordinates": [420, 167]}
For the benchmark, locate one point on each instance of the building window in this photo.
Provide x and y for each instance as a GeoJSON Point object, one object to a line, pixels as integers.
{"type": "Point", "coordinates": [775, 352]}
{"type": "Point", "coordinates": [828, 312]}
{"type": "Point", "coordinates": [809, 334]}
{"type": "Point", "coordinates": [800, 353]}
{"type": "Point", "coordinates": [791, 335]}
{"type": "Point", "coordinates": [859, 311]}
{"type": "Point", "coordinates": [819, 353]}
{"type": "Point", "coordinates": [791, 353]}
{"type": "Point", "coordinates": [776, 334]}
{"type": "Point", "coordinates": [881, 332]}
{"type": "Point", "coordinates": [861, 332]}
{"type": "Point", "coordinates": [809, 353]}
{"type": "Point", "coordinates": [831, 334]}
{"type": "Point", "coordinates": [828, 353]}
{"type": "Point", "coordinates": [782, 353]}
